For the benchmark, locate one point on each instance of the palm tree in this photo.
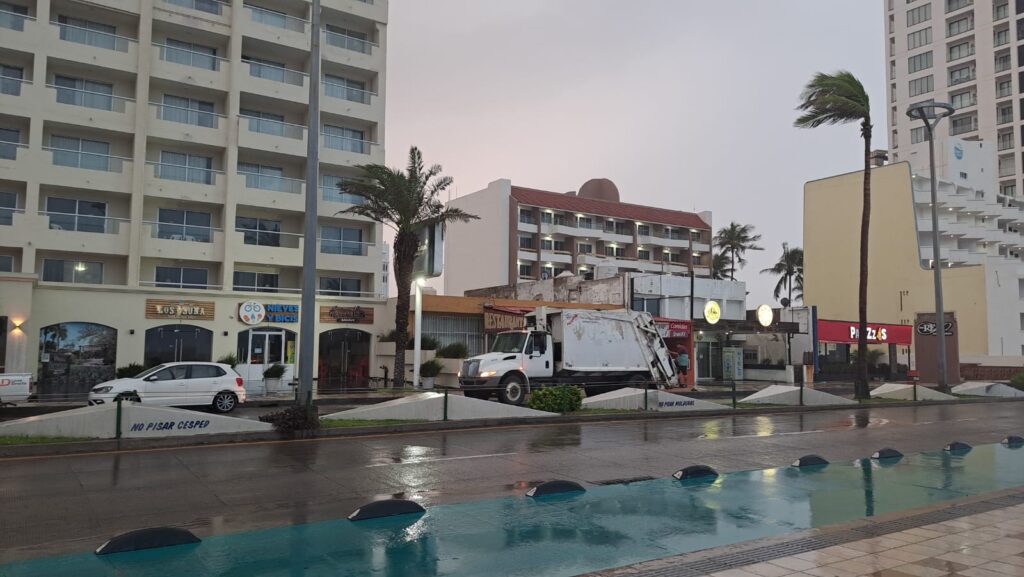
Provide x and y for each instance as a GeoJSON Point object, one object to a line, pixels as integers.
{"type": "Point", "coordinates": [735, 240]}
{"type": "Point", "coordinates": [720, 267]}
{"type": "Point", "coordinates": [790, 270]}
{"type": "Point", "coordinates": [841, 99]}
{"type": "Point", "coordinates": [406, 201]}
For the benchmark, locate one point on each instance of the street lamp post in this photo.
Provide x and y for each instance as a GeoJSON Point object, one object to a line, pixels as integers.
{"type": "Point", "coordinates": [930, 113]}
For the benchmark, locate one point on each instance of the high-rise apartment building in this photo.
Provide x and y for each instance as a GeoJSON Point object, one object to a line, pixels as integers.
{"type": "Point", "coordinates": [152, 165]}
{"type": "Point", "coordinates": [966, 53]}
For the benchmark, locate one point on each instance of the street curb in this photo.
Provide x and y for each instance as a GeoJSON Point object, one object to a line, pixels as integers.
{"type": "Point", "coordinates": [107, 445]}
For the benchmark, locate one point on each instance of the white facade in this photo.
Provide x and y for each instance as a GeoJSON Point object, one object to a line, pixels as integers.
{"type": "Point", "coordinates": [672, 293]}
{"type": "Point", "coordinates": [155, 150]}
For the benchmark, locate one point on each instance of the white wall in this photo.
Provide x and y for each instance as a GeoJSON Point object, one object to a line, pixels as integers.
{"type": "Point", "coordinates": [731, 295]}
{"type": "Point", "coordinates": [476, 253]}
{"type": "Point", "coordinates": [1005, 305]}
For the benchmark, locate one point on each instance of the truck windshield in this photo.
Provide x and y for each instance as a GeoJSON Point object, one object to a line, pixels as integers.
{"type": "Point", "coordinates": [509, 343]}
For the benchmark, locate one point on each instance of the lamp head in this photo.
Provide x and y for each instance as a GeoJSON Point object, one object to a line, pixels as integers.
{"type": "Point", "coordinates": [930, 111]}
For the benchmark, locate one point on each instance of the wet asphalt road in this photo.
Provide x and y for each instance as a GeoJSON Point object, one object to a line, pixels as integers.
{"type": "Point", "coordinates": [60, 504]}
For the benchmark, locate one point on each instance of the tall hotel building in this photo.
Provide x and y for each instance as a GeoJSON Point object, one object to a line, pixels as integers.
{"type": "Point", "coordinates": [152, 163]}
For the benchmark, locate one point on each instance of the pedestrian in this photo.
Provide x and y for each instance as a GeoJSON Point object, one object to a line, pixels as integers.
{"type": "Point", "coordinates": [682, 363]}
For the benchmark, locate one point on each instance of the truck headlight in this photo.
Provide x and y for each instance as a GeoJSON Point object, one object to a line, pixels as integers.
{"type": "Point", "coordinates": [488, 373]}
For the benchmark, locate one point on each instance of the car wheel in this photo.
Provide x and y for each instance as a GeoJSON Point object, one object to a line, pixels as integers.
{"type": "Point", "coordinates": [131, 396]}
{"type": "Point", "coordinates": [513, 390]}
{"type": "Point", "coordinates": [225, 402]}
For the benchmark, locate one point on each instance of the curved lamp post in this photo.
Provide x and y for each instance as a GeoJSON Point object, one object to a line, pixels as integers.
{"type": "Point", "coordinates": [931, 113]}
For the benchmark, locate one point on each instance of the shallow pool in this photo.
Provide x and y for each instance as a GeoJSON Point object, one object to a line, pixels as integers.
{"type": "Point", "coordinates": [607, 526]}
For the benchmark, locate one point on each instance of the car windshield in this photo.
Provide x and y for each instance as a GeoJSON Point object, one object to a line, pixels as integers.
{"type": "Point", "coordinates": [148, 372]}
{"type": "Point", "coordinates": [509, 343]}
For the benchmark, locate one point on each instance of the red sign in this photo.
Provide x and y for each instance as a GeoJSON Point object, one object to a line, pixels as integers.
{"type": "Point", "coordinates": [878, 334]}
{"type": "Point", "coordinates": [672, 329]}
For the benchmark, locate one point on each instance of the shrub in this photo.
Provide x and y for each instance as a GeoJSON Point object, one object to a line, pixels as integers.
{"type": "Point", "coordinates": [428, 343]}
{"type": "Point", "coordinates": [293, 420]}
{"type": "Point", "coordinates": [1017, 380]}
{"type": "Point", "coordinates": [388, 337]}
{"type": "Point", "coordinates": [431, 368]}
{"type": "Point", "coordinates": [274, 371]}
{"type": "Point", "coordinates": [560, 399]}
{"type": "Point", "coordinates": [229, 359]}
{"type": "Point", "coordinates": [453, 351]}
{"type": "Point", "coordinates": [129, 371]}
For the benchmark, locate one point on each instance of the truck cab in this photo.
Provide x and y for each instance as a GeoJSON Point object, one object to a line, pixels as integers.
{"type": "Point", "coordinates": [516, 358]}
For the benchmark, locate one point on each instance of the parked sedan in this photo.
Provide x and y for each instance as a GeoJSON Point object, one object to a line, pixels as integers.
{"type": "Point", "coordinates": [177, 385]}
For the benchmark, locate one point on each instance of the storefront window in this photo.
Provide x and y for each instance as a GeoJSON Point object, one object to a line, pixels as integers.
{"type": "Point", "coordinates": [260, 348]}
{"type": "Point", "coordinates": [3, 344]}
{"type": "Point", "coordinates": [448, 329]}
{"type": "Point", "coordinates": [344, 360]}
{"type": "Point", "coordinates": [174, 343]}
{"type": "Point", "coordinates": [73, 357]}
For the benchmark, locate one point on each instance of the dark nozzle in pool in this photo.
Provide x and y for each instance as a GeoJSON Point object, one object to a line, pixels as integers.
{"type": "Point", "coordinates": [958, 447]}
{"type": "Point", "coordinates": [1014, 441]}
{"type": "Point", "coordinates": [554, 488]}
{"type": "Point", "coordinates": [147, 539]}
{"type": "Point", "coordinates": [386, 508]}
{"type": "Point", "coordinates": [810, 461]}
{"type": "Point", "coordinates": [887, 453]}
{"type": "Point", "coordinates": [702, 472]}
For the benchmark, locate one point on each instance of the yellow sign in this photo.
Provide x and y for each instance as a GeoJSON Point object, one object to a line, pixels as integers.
{"type": "Point", "coordinates": [712, 312]}
{"type": "Point", "coordinates": [765, 315]}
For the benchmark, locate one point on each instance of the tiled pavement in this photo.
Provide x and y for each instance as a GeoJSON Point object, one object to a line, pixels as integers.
{"type": "Point", "coordinates": [987, 544]}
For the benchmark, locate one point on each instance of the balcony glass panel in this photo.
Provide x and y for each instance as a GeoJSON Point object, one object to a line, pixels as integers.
{"type": "Point", "coordinates": [91, 33]}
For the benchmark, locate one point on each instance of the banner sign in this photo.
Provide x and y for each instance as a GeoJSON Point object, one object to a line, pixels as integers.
{"type": "Point", "coordinates": [495, 321]}
{"type": "Point", "coordinates": [178, 309]}
{"type": "Point", "coordinates": [14, 386]}
{"type": "Point", "coordinates": [878, 334]}
{"type": "Point", "coordinates": [674, 329]}
{"type": "Point", "coordinates": [355, 315]}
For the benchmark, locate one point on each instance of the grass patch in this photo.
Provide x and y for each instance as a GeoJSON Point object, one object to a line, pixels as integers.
{"type": "Point", "coordinates": [341, 423]}
{"type": "Point", "coordinates": [758, 405]}
{"type": "Point", "coordinates": [23, 440]}
{"type": "Point", "coordinates": [601, 412]}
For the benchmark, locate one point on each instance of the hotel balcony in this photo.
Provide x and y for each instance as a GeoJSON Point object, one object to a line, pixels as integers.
{"type": "Point", "coordinates": [78, 169]}
{"type": "Point", "coordinates": [19, 97]}
{"type": "Point", "coordinates": [82, 233]}
{"type": "Point", "coordinates": [16, 227]}
{"type": "Point", "coordinates": [275, 27]}
{"type": "Point", "coordinates": [349, 152]}
{"type": "Point", "coordinates": [276, 192]}
{"type": "Point", "coordinates": [351, 102]}
{"type": "Point", "coordinates": [85, 46]}
{"type": "Point", "coordinates": [214, 14]}
{"type": "Point", "coordinates": [187, 125]}
{"type": "Point", "coordinates": [348, 256]}
{"type": "Point", "coordinates": [185, 183]}
{"type": "Point", "coordinates": [188, 67]}
{"type": "Point", "coordinates": [272, 136]}
{"type": "Point", "coordinates": [274, 81]}
{"type": "Point", "coordinates": [376, 10]}
{"type": "Point", "coordinates": [266, 247]}
{"type": "Point", "coordinates": [341, 48]}
{"type": "Point", "coordinates": [87, 108]}
{"type": "Point", "coordinates": [19, 31]}
{"type": "Point", "coordinates": [179, 241]}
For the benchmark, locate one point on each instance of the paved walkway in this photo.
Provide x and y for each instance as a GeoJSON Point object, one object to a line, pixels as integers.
{"type": "Point", "coordinates": [965, 542]}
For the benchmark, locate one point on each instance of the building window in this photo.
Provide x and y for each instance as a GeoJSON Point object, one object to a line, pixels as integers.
{"type": "Point", "coordinates": [959, 26]}
{"type": "Point", "coordinates": [188, 225]}
{"type": "Point", "coordinates": [649, 305]}
{"type": "Point", "coordinates": [963, 99]}
{"type": "Point", "coordinates": [333, 187]}
{"type": "Point", "coordinates": [189, 54]}
{"type": "Point", "coordinates": [526, 270]}
{"type": "Point", "coordinates": [1004, 140]}
{"type": "Point", "coordinates": [584, 222]}
{"type": "Point", "coordinates": [643, 254]}
{"type": "Point", "coordinates": [348, 139]}
{"type": "Point", "coordinates": [547, 217]}
{"type": "Point", "coordinates": [1008, 189]}
{"type": "Point", "coordinates": [961, 50]}
{"type": "Point", "coordinates": [6, 265]}
{"type": "Point", "coordinates": [341, 287]}
{"type": "Point", "coordinates": [448, 329]}
{"type": "Point", "coordinates": [526, 216]}
{"type": "Point", "coordinates": [90, 33]}
{"type": "Point", "coordinates": [181, 277]}
{"type": "Point", "coordinates": [82, 153]}
{"type": "Point", "coordinates": [342, 240]}
{"type": "Point", "coordinates": [919, 62]}
{"type": "Point", "coordinates": [87, 93]}
{"type": "Point", "coordinates": [259, 231]}
{"type": "Point", "coordinates": [8, 206]}
{"type": "Point", "coordinates": [188, 111]}
{"type": "Point", "coordinates": [962, 74]}
{"type": "Point", "coordinates": [616, 251]}
{"type": "Point", "coordinates": [1004, 88]}
{"type": "Point", "coordinates": [585, 248]}
{"type": "Point", "coordinates": [72, 271]}
{"type": "Point", "coordinates": [952, 5]}
{"type": "Point", "coordinates": [921, 85]}
{"type": "Point", "coordinates": [1003, 62]}
{"type": "Point", "coordinates": [185, 167]}
{"type": "Point", "coordinates": [77, 215]}
{"type": "Point", "coordinates": [249, 281]}
{"type": "Point", "coordinates": [547, 244]}
{"type": "Point", "coordinates": [918, 15]}
{"type": "Point", "coordinates": [1004, 113]}
{"type": "Point", "coordinates": [561, 220]}
{"type": "Point", "coordinates": [643, 230]}
{"type": "Point", "coordinates": [1001, 11]}
{"type": "Point", "coordinates": [346, 89]}
{"type": "Point", "coordinates": [526, 242]}
{"type": "Point", "coordinates": [963, 124]}
{"type": "Point", "coordinates": [920, 38]}
{"type": "Point", "coordinates": [266, 177]}
{"type": "Point", "coordinates": [1001, 37]}
{"type": "Point", "coordinates": [917, 135]}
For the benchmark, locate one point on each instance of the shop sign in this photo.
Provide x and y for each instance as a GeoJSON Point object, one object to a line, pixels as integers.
{"type": "Point", "coordinates": [765, 315]}
{"type": "Point", "coordinates": [176, 309]}
{"type": "Point", "coordinates": [251, 312]}
{"type": "Point", "coordinates": [674, 329]}
{"type": "Point", "coordinates": [354, 315]}
{"type": "Point", "coordinates": [712, 312]}
{"type": "Point", "coordinates": [929, 328]}
{"type": "Point", "coordinates": [848, 332]}
{"type": "Point", "coordinates": [14, 386]}
{"type": "Point", "coordinates": [282, 313]}
{"type": "Point", "coordinates": [495, 321]}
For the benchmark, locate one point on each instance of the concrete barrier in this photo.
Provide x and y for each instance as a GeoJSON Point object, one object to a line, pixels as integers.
{"type": "Point", "coordinates": [790, 395]}
{"type": "Point", "coordinates": [980, 389]}
{"type": "Point", "coordinates": [904, 392]}
{"type": "Point", "coordinates": [430, 407]}
{"type": "Point", "coordinates": [137, 421]}
{"type": "Point", "coordinates": [632, 399]}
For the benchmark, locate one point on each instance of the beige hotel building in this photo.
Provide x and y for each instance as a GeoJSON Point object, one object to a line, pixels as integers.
{"type": "Point", "coordinates": [152, 164]}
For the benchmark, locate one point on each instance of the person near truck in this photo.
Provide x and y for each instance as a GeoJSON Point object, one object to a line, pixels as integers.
{"type": "Point", "coordinates": [682, 363]}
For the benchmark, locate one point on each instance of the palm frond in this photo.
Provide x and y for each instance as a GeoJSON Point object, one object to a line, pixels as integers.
{"type": "Point", "coordinates": [830, 99]}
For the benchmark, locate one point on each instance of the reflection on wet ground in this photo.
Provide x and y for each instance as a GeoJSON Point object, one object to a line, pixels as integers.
{"type": "Point", "coordinates": [608, 526]}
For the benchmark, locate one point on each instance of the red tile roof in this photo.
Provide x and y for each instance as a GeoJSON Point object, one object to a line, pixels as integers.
{"type": "Point", "coordinates": [623, 210]}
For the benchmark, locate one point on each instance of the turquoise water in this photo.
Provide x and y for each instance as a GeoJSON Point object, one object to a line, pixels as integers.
{"type": "Point", "coordinates": [607, 526]}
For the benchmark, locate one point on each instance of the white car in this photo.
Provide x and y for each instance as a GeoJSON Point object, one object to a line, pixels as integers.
{"type": "Point", "coordinates": [177, 385]}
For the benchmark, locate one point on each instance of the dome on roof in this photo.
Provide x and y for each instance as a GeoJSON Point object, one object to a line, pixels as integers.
{"type": "Point", "coordinates": [599, 189]}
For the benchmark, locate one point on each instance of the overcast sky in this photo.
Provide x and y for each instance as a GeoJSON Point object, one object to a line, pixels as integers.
{"type": "Point", "coordinates": [683, 104]}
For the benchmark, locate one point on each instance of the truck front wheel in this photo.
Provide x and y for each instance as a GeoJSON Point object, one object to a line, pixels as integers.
{"type": "Point", "coordinates": [513, 390]}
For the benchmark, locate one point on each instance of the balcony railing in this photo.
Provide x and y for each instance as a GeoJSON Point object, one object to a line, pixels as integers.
{"type": "Point", "coordinates": [275, 73]}
{"type": "Point", "coordinates": [347, 143]}
{"type": "Point", "coordinates": [87, 160]}
{"type": "Point", "coordinates": [83, 223]}
{"type": "Point", "coordinates": [1003, 63]}
{"type": "Point", "coordinates": [276, 19]}
{"type": "Point", "coordinates": [273, 238]}
{"type": "Point", "coordinates": [189, 57]}
{"type": "Point", "coordinates": [96, 38]}
{"type": "Point", "coordinates": [187, 115]}
{"type": "Point", "coordinates": [271, 182]}
{"type": "Point", "coordinates": [342, 292]}
{"type": "Point", "coordinates": [1007, 170]}
{"type": "Point", "coordinates": [208, 6]}
{"type": "Point", "coordinates": [954, 80]}
{"type": "Point", "coordinates": [332, 194]}
{"type": "Point", "coordinates": [962, 127]}
{"type": "Point", "coordinates": [347, 92]}
{"type": "Point", "coordinates": [275, 127]}
{"type": "Point", "coordinates": [13, 20]}
{"type": "Point", "coordinates": [182, 232]}
{"type": "Point", "coordinates": [181, 285]}
{"type": "Point", "coordinates": [348, 42]}
{"type": "Point", "coordinates": [181, 173]}
{"type": "Point", "coordinates": [89, 99]}
{"type": "Point", "coordinates": [9, 150]}
{"type": "Point", "coordinates": [345, 247]}
{"type": "Point", "coordinates": [7, 215]}
{"type": "Point", "coordinates": [12, 86]}
{"type": "Point", "coordinates": [1004, 143]}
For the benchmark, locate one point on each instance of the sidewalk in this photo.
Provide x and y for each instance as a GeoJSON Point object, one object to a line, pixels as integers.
{"type": "Point", "coordinates": [975, 537]}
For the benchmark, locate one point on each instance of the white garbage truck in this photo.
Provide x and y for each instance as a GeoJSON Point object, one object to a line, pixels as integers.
{"type": "Point", "coordinates": [600, 350]}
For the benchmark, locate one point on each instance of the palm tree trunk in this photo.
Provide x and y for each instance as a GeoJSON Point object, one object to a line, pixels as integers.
{"type": "Point", "coordinates": [732, 255]}
{"type": "Point", "coordinates": [861, 384]}
{"type": "Point", "coordinates": [405, 255]}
